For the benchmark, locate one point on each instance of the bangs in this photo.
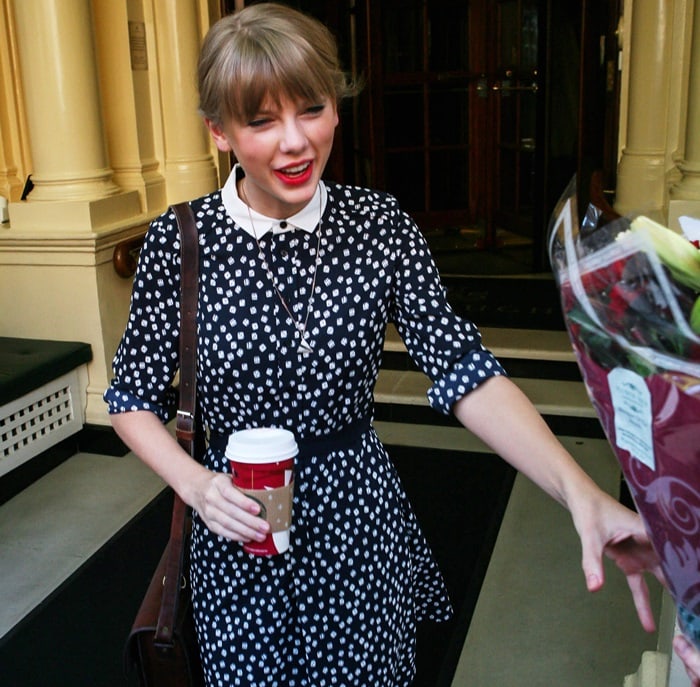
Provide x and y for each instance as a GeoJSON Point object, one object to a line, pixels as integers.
{"type": "Point", "coordinates": [267, 51]}
{"type": "Point", "coordinates": [298, 75]}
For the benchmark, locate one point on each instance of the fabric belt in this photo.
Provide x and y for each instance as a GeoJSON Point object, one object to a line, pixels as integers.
{"type": "Point", "coordinates": [328, 443]}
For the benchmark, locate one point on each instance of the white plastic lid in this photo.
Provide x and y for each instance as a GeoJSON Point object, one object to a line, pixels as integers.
{"type": "Point", "coordinates": [261, 445]}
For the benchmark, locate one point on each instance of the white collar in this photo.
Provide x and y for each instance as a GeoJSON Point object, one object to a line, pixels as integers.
{"type": "Point", "coordinates": [306, 219]}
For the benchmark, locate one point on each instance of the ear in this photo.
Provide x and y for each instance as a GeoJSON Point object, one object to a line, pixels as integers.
{"type": "Point", "coordinates": [218, 135]}
{"type": "Point", "coordinates": [335, 110]}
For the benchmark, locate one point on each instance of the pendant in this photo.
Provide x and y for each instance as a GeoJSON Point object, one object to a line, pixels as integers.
{"type": "Point", "coordinates": [304, 348]}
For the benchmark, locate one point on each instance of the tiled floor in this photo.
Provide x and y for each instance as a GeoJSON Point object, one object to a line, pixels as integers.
{"type": "Point", "coordinates": [50, 529]}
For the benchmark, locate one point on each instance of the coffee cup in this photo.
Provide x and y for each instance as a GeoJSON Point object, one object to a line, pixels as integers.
{"type": "Point", "coordinates": [262, 466]}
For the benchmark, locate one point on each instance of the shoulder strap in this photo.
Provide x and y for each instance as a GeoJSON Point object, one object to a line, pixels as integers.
{"type": "Point", "coordinates": [185, 427]}
{"type": "Point", "coordinates": [189, 277]}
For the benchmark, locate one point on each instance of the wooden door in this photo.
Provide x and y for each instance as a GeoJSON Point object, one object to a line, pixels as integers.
{"type": "Point", "coordinates": [514, 82]}
{"type": "Point", "coordinates": [475, 113]}
{"type": "Point", "coordinates": [422, 102]}
{"type": "Point", "coordinates": [454, 101]}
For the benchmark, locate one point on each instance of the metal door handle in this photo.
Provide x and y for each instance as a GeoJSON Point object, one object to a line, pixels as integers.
{"type": "Point", "coordinates": [505, 88]}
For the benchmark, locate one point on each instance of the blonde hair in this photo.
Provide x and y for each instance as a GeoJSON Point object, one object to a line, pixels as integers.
{"type": "Point", "coordinates": [267, 50]}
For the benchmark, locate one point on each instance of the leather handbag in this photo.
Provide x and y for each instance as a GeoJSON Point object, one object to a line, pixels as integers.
{"type": "Point", "coordinates": [162, 646]}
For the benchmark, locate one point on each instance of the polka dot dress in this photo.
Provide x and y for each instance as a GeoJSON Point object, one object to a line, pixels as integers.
{"type": "Point", "coordinates": [340, 607]}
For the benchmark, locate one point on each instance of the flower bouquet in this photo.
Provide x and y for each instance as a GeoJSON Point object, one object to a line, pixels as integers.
{"type": "Point", "coordinates": [630, 294]}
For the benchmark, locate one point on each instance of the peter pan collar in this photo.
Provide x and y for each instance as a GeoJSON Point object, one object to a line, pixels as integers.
{"type": "Point", "coordinates": [306, 219]}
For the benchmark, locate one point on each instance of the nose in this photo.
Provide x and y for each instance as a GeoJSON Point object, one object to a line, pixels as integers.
{"type": "Point", "coordinates": [293, 136]}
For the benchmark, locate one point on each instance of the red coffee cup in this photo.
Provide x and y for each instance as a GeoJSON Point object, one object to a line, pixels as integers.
{"type": "Point", "coordinates": [262, 466]}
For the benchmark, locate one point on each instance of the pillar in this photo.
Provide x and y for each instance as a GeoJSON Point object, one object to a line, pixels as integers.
{"type": "Point", "coordinates": [126, 60]}
{"type": "Point", "coordinates": [70, 173]}
{"type": "Point", "coordinates": [688, 188]}
{"type": "Point", "coordinates": [13, 146]}
{"type": "Point", "coordinates": [189, 165]}
{"type": "Point", "coordinates": [641, 172]}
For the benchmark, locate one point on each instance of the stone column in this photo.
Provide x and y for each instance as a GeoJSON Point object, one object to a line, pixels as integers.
{"type": "Point", "coordinates": [127, 59]}
{"type": "Point", "coordinates": [641, 172]}
{"type": "Point", "coordinates": [189, 165]}
{"type": "Point", "coordinates": [685, 195]}
{"type": "Point", "coordinates": [14, 158]}
{"type": "Point", "coordinates": [70, 167]}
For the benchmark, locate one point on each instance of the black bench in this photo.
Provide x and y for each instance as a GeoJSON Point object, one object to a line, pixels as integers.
{"type": "Point", "coordinates": [40, 406]}
{"type": "Point", "coordinates": [27, 364]}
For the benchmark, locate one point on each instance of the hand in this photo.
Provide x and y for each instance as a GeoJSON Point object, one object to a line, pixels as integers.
{"type": "Point", "coordinates": [690, 657]}
{"type": "Point", "coordinates": [605, 526]}
{"type": "Point", "coordinates": [227, 511]}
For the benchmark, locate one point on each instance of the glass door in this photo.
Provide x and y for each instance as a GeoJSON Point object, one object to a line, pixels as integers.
{"type": "Point", "coordinates": [453, 102]}
{"type": "Point", "coordinates": [515, 88]}
{"type": "Point", "coordinates": [424, 105]}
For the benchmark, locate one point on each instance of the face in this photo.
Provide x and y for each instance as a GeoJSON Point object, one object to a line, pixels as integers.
{"type": "Point", "coordinates": [283, 151]}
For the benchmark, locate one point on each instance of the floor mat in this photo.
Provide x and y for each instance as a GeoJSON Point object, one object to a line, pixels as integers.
{"type": "Point", "coordinates": [459, 498]}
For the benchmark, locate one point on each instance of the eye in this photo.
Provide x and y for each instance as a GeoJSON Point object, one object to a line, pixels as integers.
{"type": "Point", "coordinates": [257, 123]}
{"type": "Point", "coordinates": [315, 109]}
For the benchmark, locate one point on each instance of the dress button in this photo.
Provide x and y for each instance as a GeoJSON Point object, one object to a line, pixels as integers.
{"type": "Point", "coordinates": [283, 225]}
{"type": "Point", "coordinates": [284, 254]}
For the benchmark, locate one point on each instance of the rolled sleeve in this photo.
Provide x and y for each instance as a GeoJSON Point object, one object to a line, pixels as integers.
{"type": "Point", "coordinates": [473, 369]}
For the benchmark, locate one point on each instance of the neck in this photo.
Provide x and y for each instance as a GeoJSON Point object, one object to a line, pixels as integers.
{"type": "Point", "coordinates": [243, 188]}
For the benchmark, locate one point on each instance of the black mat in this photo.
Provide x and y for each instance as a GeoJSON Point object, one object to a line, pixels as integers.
{"type": "Point", "coordinates": [76, 636]}
{"type": "Point", "coordinates": [459, 499]}
{"type": "Point", "coordinates": [521, 303]}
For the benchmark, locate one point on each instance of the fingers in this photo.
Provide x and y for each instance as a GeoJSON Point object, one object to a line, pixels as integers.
{"type": "Point", "coordinates": [640, 596]}
{"type": "Point", "coordinates": [631, 558]}
{"type": "Point", "coordinates": [690, 657]}
{"type": "Point", "coordinates": [592, 563]}
{"type": "Point", "coordinates": [231, 514]}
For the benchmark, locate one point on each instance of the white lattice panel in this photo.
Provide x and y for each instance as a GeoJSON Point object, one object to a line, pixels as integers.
{"type": "Point", "coordinates": [38, 420]}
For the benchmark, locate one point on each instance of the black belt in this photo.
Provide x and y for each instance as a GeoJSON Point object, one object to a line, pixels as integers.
{"type": "Point", "coordinates": [347, 436]}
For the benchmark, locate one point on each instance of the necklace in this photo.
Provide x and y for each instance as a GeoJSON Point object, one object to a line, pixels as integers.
{"type": "Point", "coordinates": [305, 347]}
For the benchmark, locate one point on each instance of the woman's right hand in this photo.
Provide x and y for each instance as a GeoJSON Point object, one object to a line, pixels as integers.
{"type": "Point", "coordinates": [224, 509]}
{"type": "Point", "coordinates": [227, 511]}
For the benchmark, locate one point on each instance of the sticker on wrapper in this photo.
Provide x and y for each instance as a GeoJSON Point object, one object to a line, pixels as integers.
{"type": "Point", "coordinates": [631, 402]}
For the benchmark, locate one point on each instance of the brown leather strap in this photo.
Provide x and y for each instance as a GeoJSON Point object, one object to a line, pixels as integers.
{"type": "Point", "coordinates": [185, 427]}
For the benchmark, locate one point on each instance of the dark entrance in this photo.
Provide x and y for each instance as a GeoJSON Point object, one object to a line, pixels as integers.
{"type": "Point", "coordinates": [476, 113]}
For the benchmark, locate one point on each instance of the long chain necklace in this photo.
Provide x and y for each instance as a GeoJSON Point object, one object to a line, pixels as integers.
{"type": "Point", "coordinates": [305, 347]}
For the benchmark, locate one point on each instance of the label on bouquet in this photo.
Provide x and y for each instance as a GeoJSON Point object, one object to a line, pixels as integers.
{"type": "Point", "coordinates": [631, 402]}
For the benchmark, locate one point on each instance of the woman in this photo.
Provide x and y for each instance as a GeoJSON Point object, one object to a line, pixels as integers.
{"type": "Point", "coordinates": [299, 279]}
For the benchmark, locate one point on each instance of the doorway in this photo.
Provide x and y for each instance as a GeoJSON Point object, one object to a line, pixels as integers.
{"type": "Point", "coordinates": [454, 98]}
{"type": "Point", "coordinates": [476, 114]}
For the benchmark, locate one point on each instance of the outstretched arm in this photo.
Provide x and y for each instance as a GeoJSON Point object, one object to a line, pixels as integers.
{"type": "Point", "coordinates": [224, 509]}
{"type": "Point", "coordinates": [500, 414]}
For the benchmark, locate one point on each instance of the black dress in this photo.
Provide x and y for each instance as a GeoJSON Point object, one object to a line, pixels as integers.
{"type": "Point", "coordinates": [340, 607]}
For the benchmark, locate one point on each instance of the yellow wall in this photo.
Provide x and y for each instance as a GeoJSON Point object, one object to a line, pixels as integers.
{"type": "Point", "coordinates": [99, 106]}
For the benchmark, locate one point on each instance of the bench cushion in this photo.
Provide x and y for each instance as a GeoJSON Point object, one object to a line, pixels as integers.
{"type": "Point", "coordinates": [27, 364]}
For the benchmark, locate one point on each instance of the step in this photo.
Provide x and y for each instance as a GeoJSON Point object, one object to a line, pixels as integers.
{"type": "Point", "coordinates": [504, 342]}
{"type": "Point", "coordinates": [563, 396]}
{"type": "Point", "coordinates": [550, 397]}
{"type": "Point", "coordinates": [65, 517]}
